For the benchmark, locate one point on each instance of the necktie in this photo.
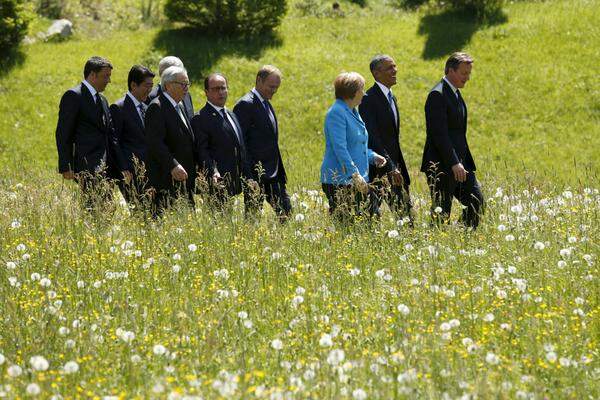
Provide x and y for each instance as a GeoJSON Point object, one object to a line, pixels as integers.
{"type": "Point", "coordinates": [391, 101]}
{"type": "Point", "coordinates": [270, 114]}
{"type": "Point", "coordinates": [181, 115]}
{"type": "Point", "coordinates": [461, 102]}
{"type": "Point", "coordinates": [142, 109]}
{"type": "Point", "coordinates": [229, 124]}
{"type": "Point", "coordinates": [100, 110]}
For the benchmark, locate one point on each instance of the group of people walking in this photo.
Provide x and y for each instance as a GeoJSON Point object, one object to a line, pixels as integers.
{"type": "Point", "coordinates": [158, 151]}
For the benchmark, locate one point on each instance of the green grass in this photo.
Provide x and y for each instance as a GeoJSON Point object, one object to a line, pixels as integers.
{"type": "Point", "coordinates": [534, 111]}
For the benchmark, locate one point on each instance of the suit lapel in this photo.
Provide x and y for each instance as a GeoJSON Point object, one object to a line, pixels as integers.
{"type": "Point", "coordinates": [265, 115]}
{"type": "Point", "coordinates": [454, 100]}
{"type": "Point", "coordinates": [385, 102]}
{"type": "Point", "coordinates": [133, 112]}
{"type": "Point", "coordinates": [90, 105]}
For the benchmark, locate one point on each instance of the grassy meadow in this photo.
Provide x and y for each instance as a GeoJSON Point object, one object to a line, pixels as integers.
{"type": "Point", "coordinates": [202, 305]}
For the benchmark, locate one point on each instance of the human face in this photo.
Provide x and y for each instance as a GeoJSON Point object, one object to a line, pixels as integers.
{"type": "Point", "coordinates": [178, 88]}
{"type": "Point", "coordinates": [459, 77]}
{"type": "Point", "coordinates": [99, 80]}
{"type": "Point", "coordinates": [268, 87]}
{"type": "Point", "coordinates": [141, 91]}
{"type": "Point", "coordinates": [217, 91]}
{"type": "Point", "coordinates": [386, 73]}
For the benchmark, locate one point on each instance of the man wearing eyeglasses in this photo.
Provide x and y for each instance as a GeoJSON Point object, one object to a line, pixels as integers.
{"type": "Point", "coordinates": [171, 154]}
{"type": "Point", "coordinates": [221, 148]}
{"type": "Point", "coordinates": [166, 62]}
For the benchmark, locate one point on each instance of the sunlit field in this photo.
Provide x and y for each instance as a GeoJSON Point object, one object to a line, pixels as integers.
{"type": "Point", "coordinates": [207, 305]}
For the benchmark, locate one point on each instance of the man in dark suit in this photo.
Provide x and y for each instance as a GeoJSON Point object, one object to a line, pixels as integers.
{"type": "Point", "coordinates": [128, 121]}
{"type": "Point", "coordinates": [379, 111]}
{"type": "Point", "coordinates": [86, 144]}
{"type": "Point", "coordinates": [261, 134]}
{"type": "Point", "coordinates": [166, 62]}
{"type": "Point", "coordinates": [447, 160]}
{"type": "Point", "coordinates": [221, 148]}
{"type": "Point", "coordinates": [171, 153]}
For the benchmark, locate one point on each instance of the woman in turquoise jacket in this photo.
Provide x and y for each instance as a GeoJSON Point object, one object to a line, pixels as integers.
{"type": "Point", "coordinates": [345, 168]}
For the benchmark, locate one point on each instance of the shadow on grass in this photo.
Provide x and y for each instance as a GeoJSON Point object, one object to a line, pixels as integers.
{"type": "Point", "coordinates": [10, 59]}
{"type": "Point", "coordinates": [199, 50]}
{"type": "Point", "coordinates": [451, 30]}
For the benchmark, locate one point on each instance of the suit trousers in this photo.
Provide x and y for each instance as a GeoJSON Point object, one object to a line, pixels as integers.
{"type": "Point", "coordinates": [165, 199]}
{"type": "Point", "coordinates": [136, 192]}
{"type": "Point", "coordinates": [96, 191]}
{"type": "Point", "coordinates": [346, 203]}
{"type": "Point", "coordinates": [276, 195]}
{"type": "Point", "coordinates": [396, 197]}
{"type": "Point", "coordinates": [443, 187]}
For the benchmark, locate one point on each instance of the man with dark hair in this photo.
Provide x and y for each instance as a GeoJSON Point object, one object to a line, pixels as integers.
{"type": "Point", "coordinates": [186, 104]}
{"type": "Point", "coordinates": [261, 135]}
{"type": "Point", "coordinates": [85, 141]}
{"type": "Point", "coordinates": [128, 120]}
{"type": "Point", "coordinates": [171, 153]}
{"type": "Point", "coordinates": [447, 160]}
{"type": "Point", "coordinates": [221, 148]}
{"type": "Point", "coordinates": [379, 111]}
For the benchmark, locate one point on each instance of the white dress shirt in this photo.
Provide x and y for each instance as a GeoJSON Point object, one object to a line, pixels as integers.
{"type": "Point", "coordinates": [92, 90]}
{"type": "Point", "coordinates": [177, 108]}
{"type": "Point", "coordinates": [137, 104]}
{"type": "Point", "coordinates": [386, 90]}
{"type": "Point", "coordinates": [233, 125]}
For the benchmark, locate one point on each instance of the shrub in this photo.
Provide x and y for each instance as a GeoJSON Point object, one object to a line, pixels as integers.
{"type": "Point", "coordinates": [13, 24]}
{"type": "Point", "coordinates": [409, 4]}
{"type": "Point", "coordinates": [246, 17]}
{"type": "Point", "coordinates": [484, 9]}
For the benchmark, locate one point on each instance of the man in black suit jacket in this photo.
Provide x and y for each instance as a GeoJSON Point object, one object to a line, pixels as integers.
{"type": "Point", "coordinates": [261, 135]}
{"type": "Point", "coordinates": [128, 121]}
{"type": "Point", "coordinates": [447, 160]}
{"type": "Point", "coordinates": [171, 153]}
{"type": "Point", "coordinates": [86, 144]}
{"type": "Point", "coordinates": [221, 148]}
{"type": "Point", "coordinates": [379, 111]}
{"type": "Point", "coordinates": [166, 62]}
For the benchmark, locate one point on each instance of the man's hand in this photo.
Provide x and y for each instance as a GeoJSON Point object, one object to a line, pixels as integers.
{"type": "Point", "coordinates": [127, 176]}
{"type": "Point", "coordinates": [68, 175]}
{"type": "Point", "coordinates": [359, 182]}
{"type": "Point", "coordinates": [178, 173]}
{"type": "Point", "coordinates": [460, 173]}
{"type": "Point", "coordinates": [379, 160]}
{"type": "Point", "coordinates": [396, 178]}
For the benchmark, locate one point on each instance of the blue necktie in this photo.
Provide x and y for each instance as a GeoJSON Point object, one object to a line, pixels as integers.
{"type": "Point", "coordinates": [391, 100]}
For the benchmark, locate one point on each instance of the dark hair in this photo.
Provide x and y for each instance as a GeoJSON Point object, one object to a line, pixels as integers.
{"type": "Point", "coordinates": [456, 59]}
{"type": "Point", "coordinates": [377, 61]}
{"type": "Point", "coordinates": [138, 74]}
{"type": "Point", "coordinates": [212, 75]}
{"type": "Point", "coordinates": [95, 64]}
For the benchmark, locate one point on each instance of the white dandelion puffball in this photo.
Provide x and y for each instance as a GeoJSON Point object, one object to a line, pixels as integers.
{"type": "Point", "coordinates": [492, 359]}
{"type": "Point", "coordinates": [39, 363]}
{"type": "Point", "coordinates": [71, 367]}
{"type": "Point", "coordinates": [336, 357]}
{"type": "Point", "coordinates": [159, 349]}
{"type": "Point", "coordinates": [277, 344]}
{"type": "Point", "coordinates": [33, 389]}
{"type": "Point", "coordinates": [325, 340]}
{"type": "Point", "coordinates": [403, 309]}
{"type": "Point", "coordinates": [14, 370]}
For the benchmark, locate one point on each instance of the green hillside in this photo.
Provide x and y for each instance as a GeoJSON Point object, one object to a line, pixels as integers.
{"type": "Point", "coordinates": [534, 101]}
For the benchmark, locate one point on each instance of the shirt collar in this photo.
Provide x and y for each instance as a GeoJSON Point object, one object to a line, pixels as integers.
{"type": "Point", "coordinates": [384, 88]}
{"type": "Point", "coordinates": [92, 90]}
{"type": "Point", "coordinates": [451, 85]}
{"type": "Point", "coordinates": [173, 102]}
{"type": "Point", "coordinates": [215, 107]}
{"type": "Point", "coordinates": [136, 102]}
{"type": "Point", "coordinates": [258, 94]}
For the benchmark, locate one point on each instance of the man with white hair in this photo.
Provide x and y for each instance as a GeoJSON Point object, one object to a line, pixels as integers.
{"type": "Point", "coordinates": [166, 62]}
{"type": "Point", "coordinates": [171, 155]}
